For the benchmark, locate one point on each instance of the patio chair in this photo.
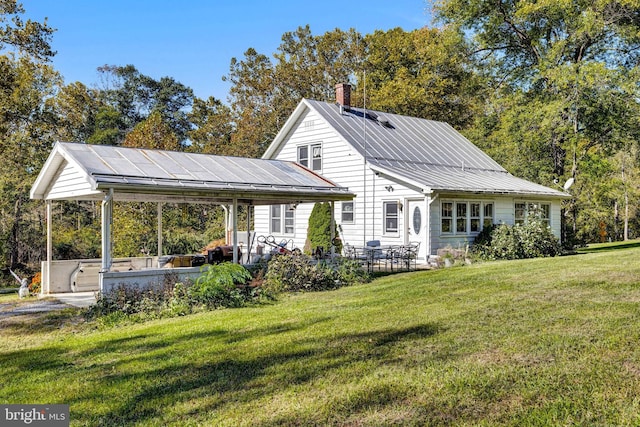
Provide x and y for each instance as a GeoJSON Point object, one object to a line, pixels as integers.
{"type": "Point", "coordinates": [411, 254]}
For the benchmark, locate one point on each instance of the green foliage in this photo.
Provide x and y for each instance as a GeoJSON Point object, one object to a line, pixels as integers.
{"type": "Point", "coordinates": [531, 240]}
{"type": "Point", "coordinates": [293, 273]}
{"type": "Point", "coordinates": [319, 230]}
{"type": "Point", "coordinates": [71, 243]}
{"type": "Point", "coordinates": [183, 242]}
{"type": "Point", "coordinates": [221, 285]}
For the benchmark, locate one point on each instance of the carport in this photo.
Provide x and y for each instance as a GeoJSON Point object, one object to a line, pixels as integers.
{"type": "Point", "coordinates": [108, 174]}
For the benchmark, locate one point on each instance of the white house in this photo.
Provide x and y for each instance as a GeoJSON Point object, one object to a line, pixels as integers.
{"type": "Point", "coordinates": [415, 180]}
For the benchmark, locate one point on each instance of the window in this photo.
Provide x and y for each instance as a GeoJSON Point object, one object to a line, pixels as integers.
{"type": "Point", "coordinates": [524, 210]}
{"type": "Point", "coordinates": [310, 156]}
{"type": "Point", "coordinates": [475, 217]}
{"type": "Point", "coordinates": [347, 212]}
{"type": "Point", "coordinates": [468, 217]}
{"type": "Point", "coordinates": [390, 217]}
{"type": "Point", "coordinates": [488, 215]}
{"type": "Point", "coordinates": [282, 219]}
{"type": "Point", "coordinates": [461, 217]}
{"type": "Point", "coordinates": [447, 217]}
{"type": "Point", "coordinates": [521, 212]}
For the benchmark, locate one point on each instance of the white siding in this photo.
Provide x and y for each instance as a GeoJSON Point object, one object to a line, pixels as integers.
{"type": "Point", "coordinates": [71, 182]}
{"type": "Point", "coordinates": [345, 167]}
{"type": "Point", "coordinates": [504, 213]}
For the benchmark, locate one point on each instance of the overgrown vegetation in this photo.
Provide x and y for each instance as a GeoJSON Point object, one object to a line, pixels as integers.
{"type": "Point", "coordinates": [225, 285]}
{"type": "Point", "coordinates": [298, 273]}
{"type": "Point", "coordinates": [504, 242]}
{"type": "Point", "coordinates": [221, 285]}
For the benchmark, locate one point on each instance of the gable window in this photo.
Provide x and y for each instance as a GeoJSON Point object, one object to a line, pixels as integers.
{"type": "Point", "coordinates": [310, 156]}
{"type": "Point", "coordinates": [282, 219]}
{"type": "Point", "coordinates": [347, 212]}
{"type": "Point", "coordinates": [525, 210]}
{"type": "Point", "coordinates": [390, 212]}
{"type": "Point", "coordinates": [468, 217]}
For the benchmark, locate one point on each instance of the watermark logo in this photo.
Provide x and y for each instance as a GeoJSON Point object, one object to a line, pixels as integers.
{"type": "Point", "coordinates": [34, 415]}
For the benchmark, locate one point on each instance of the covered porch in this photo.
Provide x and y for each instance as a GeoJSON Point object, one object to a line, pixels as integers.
{"type": "Point", "coordinates": [78, 171]}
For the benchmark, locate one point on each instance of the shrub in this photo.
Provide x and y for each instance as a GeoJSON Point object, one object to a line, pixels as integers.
{"type": "Point", "coordinates": [319, 230]}
{"type": "Point", "coordinates": [219, 286]}
{"type": "Point", "coordinates": [291, 273]}
{"type": "Point", "coordinates": [531, 240]}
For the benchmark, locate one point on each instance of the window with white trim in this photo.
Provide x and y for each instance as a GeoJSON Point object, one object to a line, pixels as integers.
{"type": "Point", "coordinates": [282, 219]}
{"type": "Point", "coordinates": [447, 217]}
{"type": "Point", "coordinates": [310, 156]}
{"type": "Point", "coordinates": [390, 212]}
{"type": "Point", "coordinates": [469, 217]}
{"type": "Point", "coordinates": [347, 212]}
{"type": "Point", "coordinates": [524, 210]}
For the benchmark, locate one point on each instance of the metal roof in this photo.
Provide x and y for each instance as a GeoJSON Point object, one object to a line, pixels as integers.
{"type": "Point", "coordinates": [157, 175]}
{"type": "Point", "coordinates": [426, 154]}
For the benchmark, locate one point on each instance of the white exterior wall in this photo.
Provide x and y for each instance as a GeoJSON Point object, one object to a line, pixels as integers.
{"type": "Point", "coordinates": [345, 167]}
{"type": "Point", "coordinates": [504, 213]}
{"type": "Point", "coordinates": [71, 182]}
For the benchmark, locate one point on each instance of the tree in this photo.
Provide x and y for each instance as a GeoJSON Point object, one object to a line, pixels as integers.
{"type": "Point", "coordinates": [152, 133]}
{"type": "Point", "coordinates": [76, 108]}
{"type": "Point", "coordinates": [263, 93]}
{"type": "Point", "coordinates": [423, 73]}
{"type": "Point", "coordinates": [26, 124]}
{"type": "Point", "coordinates": [213, 127]}
{"type": "Point", "coordinates": [563, 75]}
{"type": "Point", "coordinates": [27, 39]}
{"type": "Point", "coordinates": [135, 97]}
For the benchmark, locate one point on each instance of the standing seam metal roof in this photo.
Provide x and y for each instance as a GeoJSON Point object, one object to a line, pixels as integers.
{"type": "Point", "coordinates": [427, 153]}
{"type": "Point", "coordinates": [144, 171]}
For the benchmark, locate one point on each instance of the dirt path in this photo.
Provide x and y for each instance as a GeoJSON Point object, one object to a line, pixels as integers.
{"type": "Point", "coordinates": [25, 307]}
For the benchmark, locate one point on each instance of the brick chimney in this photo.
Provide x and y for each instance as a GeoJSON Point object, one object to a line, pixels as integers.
{"type": "Point", "coordinates": [343, 95]}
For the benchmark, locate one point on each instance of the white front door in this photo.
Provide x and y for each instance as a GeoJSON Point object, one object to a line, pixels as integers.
{"type": "Point", "coordinates": [416, 225]}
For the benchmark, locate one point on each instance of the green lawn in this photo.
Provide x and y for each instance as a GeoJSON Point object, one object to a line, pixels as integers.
{"type": "Point", "coordinates": [536, 342]}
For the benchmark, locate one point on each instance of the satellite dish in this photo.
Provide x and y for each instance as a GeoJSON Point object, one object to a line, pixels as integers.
{"type": "Point", "coordinates": [568, 184]}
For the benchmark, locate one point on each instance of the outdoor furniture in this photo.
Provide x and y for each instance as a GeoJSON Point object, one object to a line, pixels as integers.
{"type": "Point", "coordinates": [410, 255]}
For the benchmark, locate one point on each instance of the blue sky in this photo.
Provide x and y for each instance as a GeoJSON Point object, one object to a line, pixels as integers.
{"type": "Point", "coordinates": [194, 41]}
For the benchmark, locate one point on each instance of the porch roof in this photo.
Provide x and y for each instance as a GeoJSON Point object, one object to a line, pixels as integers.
{"type": "Point", "coordinates": [78, 171]}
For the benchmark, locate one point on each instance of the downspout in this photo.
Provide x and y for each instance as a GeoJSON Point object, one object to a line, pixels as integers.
{"type": "Point", "coordinates": [431, 200]}
{"type": "Point", "coordinates": [159, 230]}
{"type": "Point", "coordinates": [107, 220]}
{"type": "Point", "coordinates": [46, 287]}
{"type": "Point", "coordinates": [226, 224]}
{"type": "Point", "coordinates": [234, 218]}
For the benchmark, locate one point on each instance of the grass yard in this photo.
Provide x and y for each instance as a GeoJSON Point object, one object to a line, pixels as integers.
{"type": "Point", "coordinates": [537, 342]}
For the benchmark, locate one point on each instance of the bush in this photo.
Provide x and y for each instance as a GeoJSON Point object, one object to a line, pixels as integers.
{"type": "Point", "coordinates": [319, 230]}
{"type": "Point", "coordinates": [219, 286]}
{"type": "Point", "coordinates": [291, 273]}
{"type": "Point", "coordinates": [531, 240]}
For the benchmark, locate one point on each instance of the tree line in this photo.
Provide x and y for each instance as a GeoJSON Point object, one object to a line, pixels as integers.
{"type": "Point", "coordinates": [548, 89]}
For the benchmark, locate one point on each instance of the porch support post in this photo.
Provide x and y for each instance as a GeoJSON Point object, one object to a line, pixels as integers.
{"type": "Point", "coordinates": [159, 229]}
{"type": "Point", "coordinates": [46, 285]}
{"type": "Point", "coordinates": [107, 221]}
{"type": "Point", "coordinates": [248, 234]}
{"type": "Point", "coordinates": [234, 218]}
{"type": "Point", "coordinates": [333, 227]}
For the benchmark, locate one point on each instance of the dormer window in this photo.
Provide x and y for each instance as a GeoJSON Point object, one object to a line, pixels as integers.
{"type": "Point", "coordinates": [310, 156]}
